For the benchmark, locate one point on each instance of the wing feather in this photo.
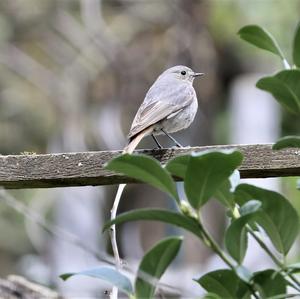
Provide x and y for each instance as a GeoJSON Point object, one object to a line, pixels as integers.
{"type": "Point", "coordinates": [161, 101]}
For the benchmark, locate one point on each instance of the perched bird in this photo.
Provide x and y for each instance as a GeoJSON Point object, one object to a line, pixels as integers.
{"type": "Point", "coordinates": [169, 106]}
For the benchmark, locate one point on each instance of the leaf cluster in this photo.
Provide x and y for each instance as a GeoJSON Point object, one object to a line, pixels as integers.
{"type": "Point", "coordinates": [207, 175]}
{"type": "Point", "coordinates": [284, 85]}
{"type": "Point", "coordinates": [252, 210]}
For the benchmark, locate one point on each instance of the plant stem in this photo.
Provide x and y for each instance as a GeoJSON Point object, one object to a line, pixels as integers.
{"type": "Point", "coordinates": [113, 236]}
{"type": "Point", "coordinates": [269, 252]}
{"type": "Point", "coordinates": [264, 246]}
{"type": "Point", "coordinates": [286, 64]}
{"type": "Point", "coordinates": [217, 249]}
{"type": "Point", "coordinates": [284, 296]}
{"type": "Point", "coordinates": [274, 258]}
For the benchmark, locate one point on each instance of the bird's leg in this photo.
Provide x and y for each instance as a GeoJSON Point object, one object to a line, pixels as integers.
{"type": "Point", "coordinates": [156, 141]}
{"type": "Point", "coordinates": [172, 138]}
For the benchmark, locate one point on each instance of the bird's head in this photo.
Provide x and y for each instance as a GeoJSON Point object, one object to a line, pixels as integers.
{"type": "Point", "coordinates": [181, 72]}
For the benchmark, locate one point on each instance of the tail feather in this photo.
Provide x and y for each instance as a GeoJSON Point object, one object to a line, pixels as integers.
{"type": "Point", "coordinates": [136, 140]}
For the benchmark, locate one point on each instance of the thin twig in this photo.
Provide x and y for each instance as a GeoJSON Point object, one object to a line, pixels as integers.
{"type": "Point", "coordinates": [274, 258]}
{"type": "Point", "coordinates": [271, 255]}
{"type": "Point", "coordinates": [73, 239]}
{"type": "Point", "coordinates": [51, 228]}
{"type": "Point", "coordinates": [216, 248]}
{"type": "Point", "coordinates": [284, 296]}
{"type": "Point", "coordinates": [286, 64]}
{"type": "Point", "coordinates": [113, 236]}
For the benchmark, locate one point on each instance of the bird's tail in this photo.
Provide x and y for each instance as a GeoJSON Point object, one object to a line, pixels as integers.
{"type": "Point", "coordinates": [136, 140]}
{"type": "Point", "coordinates": [127, 150]}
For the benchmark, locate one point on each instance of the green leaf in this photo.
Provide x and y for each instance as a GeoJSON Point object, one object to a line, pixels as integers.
{"type": "Point", "coordinates": [260, 38]}
{"type": "Point", "coordinates": [225, 196]}
{"type": "Point", "coordinates": [277, 216]}
{"type": "Point", "coordinates": [178, 165]}
{"type": "Point", "coordinates": [224, 283]}
{"type": "Point", "coordinates": [250, 207]}
{"type": "Point", "coordinates": [236, 239]}
{"type": "Point", "coordinates": [145, 169]}
{"type": "Point", "coordinates": [293, 268]}
{"type": "Point", "coordinates": [234, 179]}
{"type": "Point", "coordinates": [211, 296]}
{"type": "Point", "coordinates": [296, 47]}
{"type": "Point", "coordinates": [291, 79]}
{"type": "Point", "coordinates": [243, 273]}
{"type": "Point", "coordinates": [225, 193]}
{"type": "Point", "coordinates": [280, 92]}
{"type": "Point", "coordinates": [206, 172]}
{"type": "Point", "coordinates": [287, 141]}
{"type": "Point", "coordinates": [107, 274]}
{"type": "Point", "coordinates": [270, 283]}
{"type": "Point", "coordinates": [166, 216]}
{"type": "Point", "coordinates": [154, 263]}
{"type": "Point", "coordinates": [283, 89]}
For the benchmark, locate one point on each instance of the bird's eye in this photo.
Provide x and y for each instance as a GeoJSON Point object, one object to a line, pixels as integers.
{"type": "Point", "coordinates": [183, 73]}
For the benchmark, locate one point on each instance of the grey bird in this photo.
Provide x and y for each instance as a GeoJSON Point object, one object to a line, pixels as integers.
{"type": "Point", "coordinates": [170, 105]}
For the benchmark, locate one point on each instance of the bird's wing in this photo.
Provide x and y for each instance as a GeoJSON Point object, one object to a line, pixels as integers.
{"type": "Point", "coordinates": [160, 102]}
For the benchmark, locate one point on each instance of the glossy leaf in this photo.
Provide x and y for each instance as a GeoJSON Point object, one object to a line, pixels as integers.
{"type": "Point", "coordinates": [260, 38]}
{"type": "Point", "coordinates": [281, 92]}
{"type": "Point", "coordinates": [286, 142]}
{"type": "Point", "coordinates": [291, 79]}
{"type": "Point", "coordinates": [166, 216]}
{"type": "Point", "coordinates": [206, 172]}
{"type": "Point", "coordinates": [234, 179]}
{"type": "Point", "coordinates": [178, 165]}
{"type": "Point", "coordinates": [243, 273]}
{"type": "Point", "coordinates": [277, 216]}
{"type": "Point", "coordinates": [296, 47]}
{"type": "Point", "coordinates": [285, 88]}
{"type": "Point", "coordinates": [154, 263]}
{"type": "Point", "coordinates": [236, 239]}
{"type": "Point", "coordinates": [224, 195]}
{"type": "Point", "coordinates": [270, 283]}
{"type": "Point", "coordinates": [244, 292]}
{"type": "Point", "coordinates": [107, 274]}
{"type": "Point", "coordinates": [145, 169]}
{"type": "Point", "coordinates": [211, 296]}
{"type": "Point", "coordinates": [224, 283]}
{"type": "Point", "coordinates": [250, 207]}
{"type": "Point", "coordinates": [294, 268]}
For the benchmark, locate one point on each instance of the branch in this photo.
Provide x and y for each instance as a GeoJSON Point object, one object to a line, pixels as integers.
{"type": "Point", "coordinates": [87, 168]}
{"type": "Point", "coordinates": [18, 287]}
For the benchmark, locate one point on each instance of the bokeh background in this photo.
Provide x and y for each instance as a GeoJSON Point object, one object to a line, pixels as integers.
{"type": "Point", "coordinates": [72, 75]}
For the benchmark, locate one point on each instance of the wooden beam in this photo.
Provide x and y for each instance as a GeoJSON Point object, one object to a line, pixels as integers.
{"type": "Point", "coordinates": [87, 168]}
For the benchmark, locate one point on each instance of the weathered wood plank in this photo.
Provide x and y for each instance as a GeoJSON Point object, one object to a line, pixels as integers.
{"type": "Point", "coordinates": [87, 168]}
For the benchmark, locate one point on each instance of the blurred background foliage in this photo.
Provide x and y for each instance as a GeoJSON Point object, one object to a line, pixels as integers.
{"type": "Point", "coordinates": [73, 72]}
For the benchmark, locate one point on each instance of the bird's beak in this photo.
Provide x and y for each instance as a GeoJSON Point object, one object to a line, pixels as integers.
{"type": "Point", "coordinates": [198, 74]}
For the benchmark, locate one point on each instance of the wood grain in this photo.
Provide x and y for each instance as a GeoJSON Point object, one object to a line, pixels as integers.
{"type": "Point", "coordinates": [87, 168]}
